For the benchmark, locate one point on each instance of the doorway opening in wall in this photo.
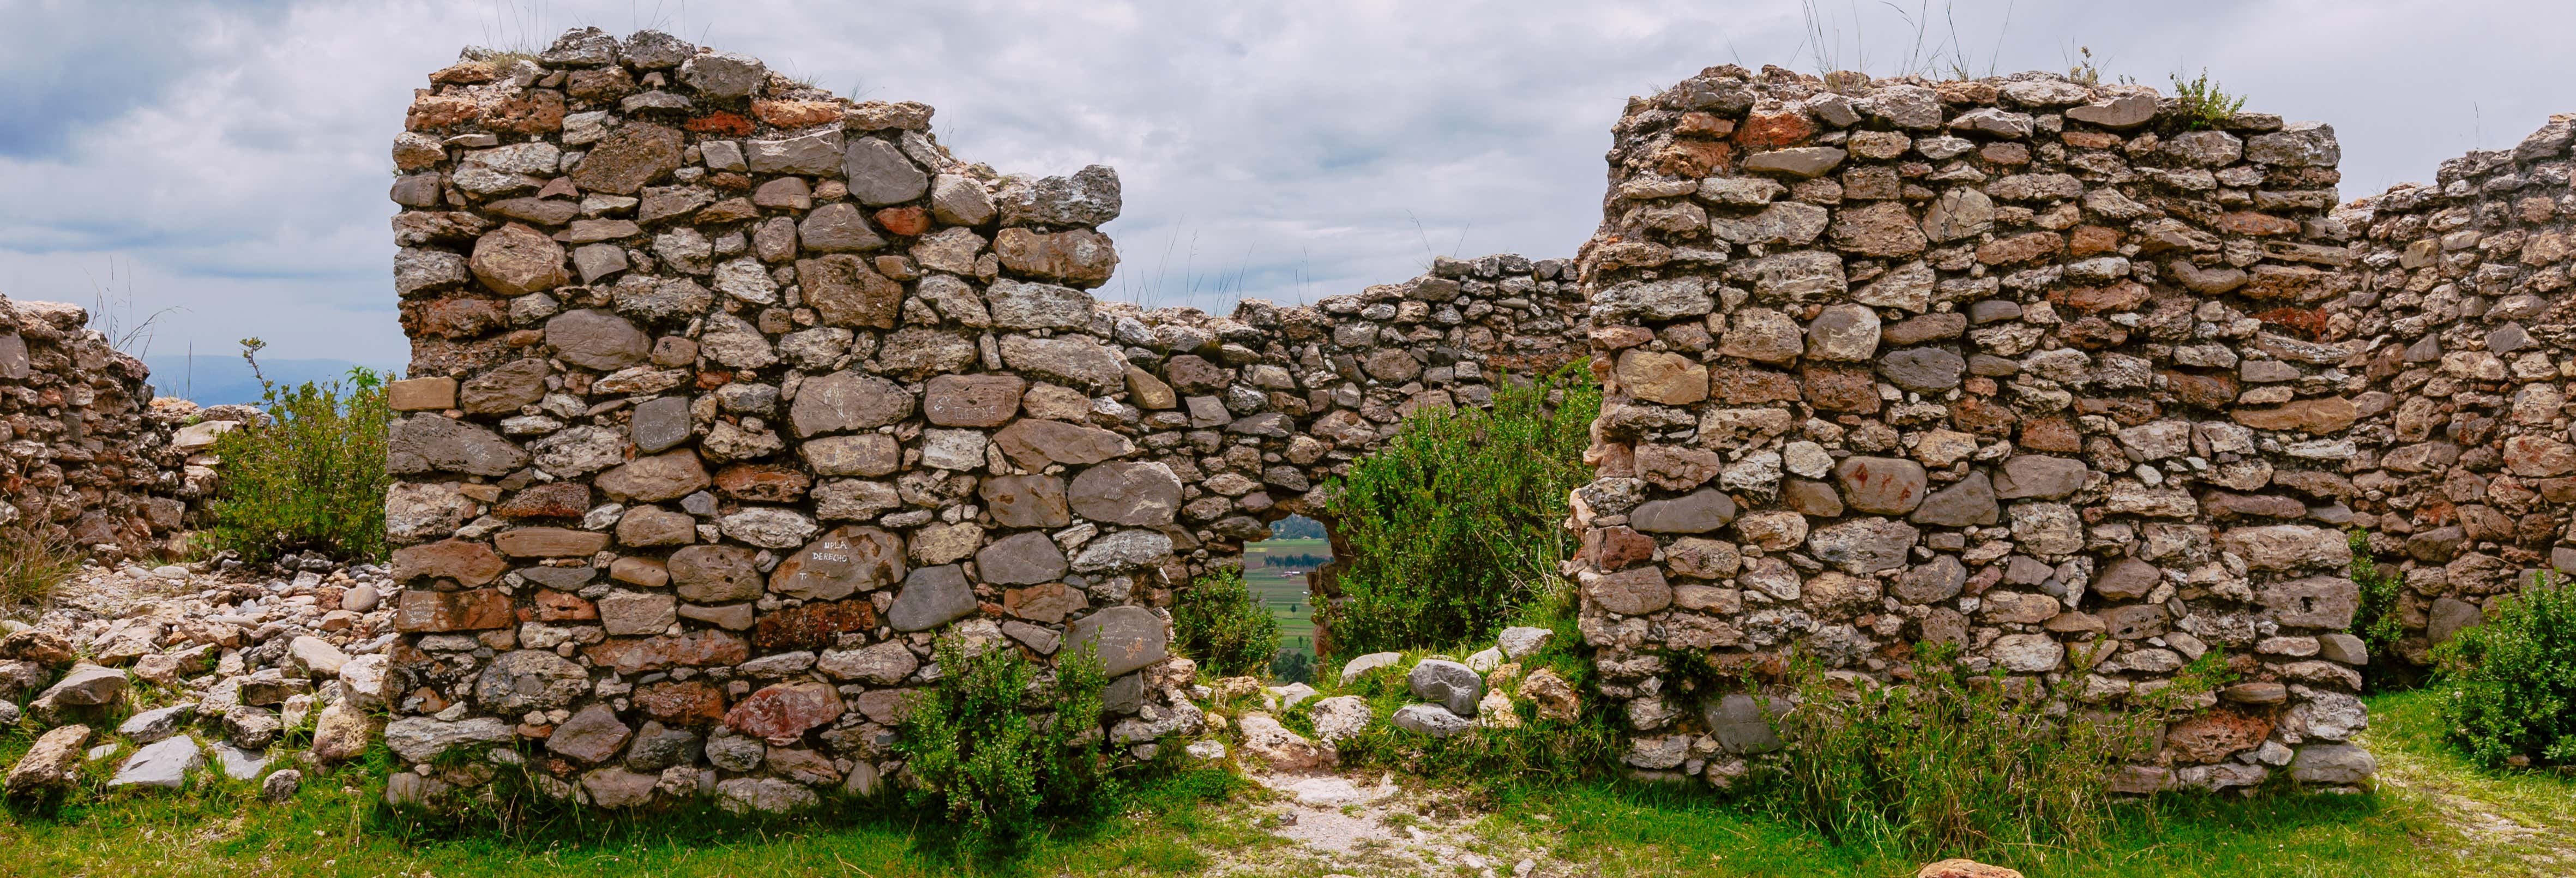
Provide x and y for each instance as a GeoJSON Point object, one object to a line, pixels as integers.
{"type": "Point", "coordinates": [1278, 572]}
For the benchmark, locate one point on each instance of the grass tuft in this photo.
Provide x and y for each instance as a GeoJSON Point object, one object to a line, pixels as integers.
{"type": "Point", "coordinates": [33, 561]}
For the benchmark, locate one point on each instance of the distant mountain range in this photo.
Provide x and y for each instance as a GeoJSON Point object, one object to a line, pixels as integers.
{"type": "Point", "coordinates": [224, 380]}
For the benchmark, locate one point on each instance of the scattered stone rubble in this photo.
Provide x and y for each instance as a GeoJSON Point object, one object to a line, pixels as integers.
{"type": "Point", "coordinates": [85, 452]}
{"type": "Point", "coordinates": [206, 671]}
{"type": "Point", "coordinates": [729, 396]}
{"type": "Point", "coordinates": [2021, 364]}
{"type": "Point", "coordinates": [2466, 473]}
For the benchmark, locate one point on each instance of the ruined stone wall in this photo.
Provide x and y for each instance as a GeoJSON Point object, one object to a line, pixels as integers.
{"type": "Point", "coordinates": [2019, 364]}
{"type": "Point", "coordinates": [728, 397]}
{"type": "Point", "coordinates": [84, 453]}
{"type": "Point", "coordinates": [2465, 471]}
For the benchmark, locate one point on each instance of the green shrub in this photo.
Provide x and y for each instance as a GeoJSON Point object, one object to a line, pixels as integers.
{"type": "Point", "coordinates": [313, 478]}
{"type": "Point", "coordinates": [1457, 522]}
{"type": "Point", "coordinates": [2509, 686]}
{"type": "Point", "coordinates": [990, 764]}
{"type": "Point", "coordinates": [1223, 626]}
{"type": "Point", "coordinates": [2204, 105]}
{"type": "Point", "coordinates": [1955, 763]}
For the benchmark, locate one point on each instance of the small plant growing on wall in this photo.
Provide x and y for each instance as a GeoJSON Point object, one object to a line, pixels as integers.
{"type": "Point", "coordinates": [2204, 105]}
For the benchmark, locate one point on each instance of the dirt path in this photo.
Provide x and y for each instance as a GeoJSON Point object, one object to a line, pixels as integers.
{"type": "Point", "coordinates": [1362, 826]}
{"type": "Point", "coordinates": [2494, 820]}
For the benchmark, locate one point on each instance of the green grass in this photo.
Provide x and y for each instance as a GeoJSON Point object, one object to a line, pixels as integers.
{"type": "Point", "coordinates": [2435, 814]}
{"type": "Point", "coordinates": [2424, 820]}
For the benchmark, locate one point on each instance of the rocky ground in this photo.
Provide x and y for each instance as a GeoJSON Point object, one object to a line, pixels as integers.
{"type": "Point", "coordinates": [175, 671]}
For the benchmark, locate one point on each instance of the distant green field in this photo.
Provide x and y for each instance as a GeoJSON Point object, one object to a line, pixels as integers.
{"type": "Point", "coordinates": [1283, 588]}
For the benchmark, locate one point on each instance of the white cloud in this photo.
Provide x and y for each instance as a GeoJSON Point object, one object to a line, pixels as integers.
{"type": "Point", "coordinates": [232, 159]}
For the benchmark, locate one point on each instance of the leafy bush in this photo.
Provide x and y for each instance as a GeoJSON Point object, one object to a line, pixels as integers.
{"type": "Point", "coordinates": [1223, 626]}
{"type": "Point", "coordinates": [1955, 762]}
{"type": "Point", "coordinates": [1455, 524]}
{"type": "Point", "coordinates": [32, 561]}
{"type": "Point", "coordinates": [2509, 686]}
{"type": "Point", "coordinates": [2204, 105]}
{"type": "Point", "coordinates": [989, 764]}
{"type": "Point", "coordinates": [313, 478]}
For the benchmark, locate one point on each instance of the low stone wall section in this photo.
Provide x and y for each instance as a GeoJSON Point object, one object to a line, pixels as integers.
{"type": "Point", "coordinates": [729, 397]}
{"type": "Point", "coordinates": [2025, 365]}
{"type": "Point", "coordinates": [85, 454]}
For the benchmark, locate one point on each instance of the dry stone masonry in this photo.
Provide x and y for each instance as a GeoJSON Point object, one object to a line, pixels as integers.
{"type": "Point", "coordinates": [2023, 364]}
{"type": "Point", "coordinates": [85, 452]}
{"type": "Point", "coordinates": [728, 397]}
{"type": "Point", "coordinates": [2466, 472]}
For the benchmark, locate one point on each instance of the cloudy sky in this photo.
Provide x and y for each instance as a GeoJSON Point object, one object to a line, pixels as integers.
{"type": "Point", "coordinates": [229, 160]}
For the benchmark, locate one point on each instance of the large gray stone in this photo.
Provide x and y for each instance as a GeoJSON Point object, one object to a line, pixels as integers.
{"type": "Point", "coordinates": [931, 597]}
{"type": "Point", "coordinates": [434, 443]}
{"type": "Point", "coordinates": [810, 155]}
{"type": "Point", "coordinates": [1026, 501]}
{"type": "Point", "coordinates": [1923, 370]}
{"type": "Point", "coordinates": [2040, 476]}
{"type": "Point", "coordinates": [1025, 558]}
{"type": "Point", "coordinates": [2332, 764]}
{"type": "Point", "coordinates": [660, 424]}
{"type": "Point", "coordinates": [1131, 493]}
{"type": "Point", "coordinates": [1127, 638]}
{"type": "Point", "coordinates": [593, 734]}
{"type": "Point", "coordinates": [883, 664]}
{"type": "Point", "coordinates": [1453, 685]}
{"type": "Point", "coordinates": [165, 763]}
{"type": "Point", "coordinates": [1124, 550]}
{"type": "Point", "coordinates": [157, 723]}
{"type": "Point", "coordinates": [1076, 360]}
{"type": "Point", "coordinates": [1430, 719]}
{"type": "Point", "coordinates": [85, 685]}
{"type": "Point", "coordinates": [838, 227]}
{"type": "Point", "coordinates": [847, 400]}
{"type": "Point", "coordinates": [2448, 617]}
{"type": "Point", "coordinates": [595, 339]}
{"type": "Point", "coordinates": [723, 74]}
{"type": "Point", "coordinates": [1088, 198]}
{"type": "Point", "coordinates": [1700, 511]}
{"type": "Point", "coordinates": [1741, 723]}
{"type": "Point", "coordinates": [1933, 581]}
{"type": "Point", "coordinates": [1017, 305]}
{"type": "Point", "coordinates": [528, 679]}
{"type": "Point", "coordinates": [714, 574]}
{"type": "Point", "coordinates": [1863, 546]}
{"type": "Point", "coordinates": [1969, 501]}
{"type": "Point", "coordinates": [879, 174]}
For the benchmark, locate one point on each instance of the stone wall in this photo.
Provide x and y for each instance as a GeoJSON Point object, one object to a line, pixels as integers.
{"type": "Point", "coordinates": [729, 396]}
{"type": "Point", "coordinates": [2019, 364]}
{"type": "Point", "coordinates": [85, 454]}
{"type": "Point", "coordinates": [2466, 473]}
